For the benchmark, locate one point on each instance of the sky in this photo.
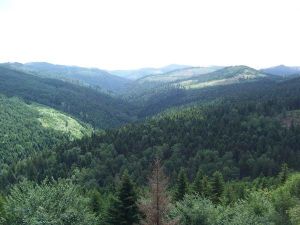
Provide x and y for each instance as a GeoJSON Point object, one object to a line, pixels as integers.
{"type": "Point", "coordinates": [128, 34]}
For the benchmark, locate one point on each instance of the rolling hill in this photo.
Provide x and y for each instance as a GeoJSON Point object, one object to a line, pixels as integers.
{"type": "Point", "coordinates": [234, 132]}
{"type": "Point", "coordinates": [225, 76]}
{"type": "Point", "coordinates": [189, 86]}
{"type": "Point", "coordinates": [91, 106]}
{"type": "Point", "coordinates": [201, 77]}
{"type": "Point", "coordinates": [240, 136]}
{"type": "Point", "coordinates": [29, 128]}
{"type": "Point", "coordinates": [179, 74]}
{"type": "Point", "coordinates": [96, 78]}
{"type": "Point", "coordinates": [139, 73]}
{"type": "Point", "coordinates": [282, 70]}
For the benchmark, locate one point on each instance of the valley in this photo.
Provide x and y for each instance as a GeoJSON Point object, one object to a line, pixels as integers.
{"type": "Point", "coordinates": [227, 138]}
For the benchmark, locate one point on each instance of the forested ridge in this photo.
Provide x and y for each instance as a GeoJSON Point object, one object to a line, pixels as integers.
{"type": "Point", "coordinates": [219, 155]}
{"type": "Point", "coordinates": [26, 129]}
{"type": "Point", "coordinates": [91, 106]}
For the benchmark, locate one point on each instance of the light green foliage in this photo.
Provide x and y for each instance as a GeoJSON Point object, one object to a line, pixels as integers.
{"type": "Point", "coordinates": [255, 210]}
{"type": "Point", "coordinates": [294, 215]}
{"type": "Point", "coordinates": [53, 119]}
{"type": "Point", "coordinates": [51, 203]}
{"type": "Point", "coordinates": [31, 128]}
{"type": "Point", "coordinates": [226, 76]}
{"type": "Point", "coordinates": [180, 74]}
{"type": "Point", "coordinates": [195, 210]}
{"type": "Point", "coordinates": [286, 200]}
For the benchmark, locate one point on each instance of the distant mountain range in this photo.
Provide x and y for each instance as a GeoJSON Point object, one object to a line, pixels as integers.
{"type": "Point", "coordinates": [139, 73]}
{"type": "Point", "coordinates": [282, 70]}
{"type": "Point", "coordinates": [79, 75]}
{"type": "Point", "coordinates": [178, 74]}
{"type": "Point", "coordinates": [201, 77]}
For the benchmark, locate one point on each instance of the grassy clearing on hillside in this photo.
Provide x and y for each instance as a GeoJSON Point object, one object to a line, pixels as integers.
{"type": "Point", "coordinates": [196, 84]}
{"type": "Point", "coordinates": [30, 128]}
{"type": "Point", "coordinates": [53, 119]}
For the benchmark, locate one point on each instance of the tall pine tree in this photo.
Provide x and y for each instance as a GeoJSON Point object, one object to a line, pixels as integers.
{"type": "Point", "coordinates": [201, 185]}
{"type": "Point", "coordinates": [283, 175]}
{"type": "Point", "coordinates": [182, 185]}
{"type": "Point", "coordinates": [217, 186]}
{"type": "Point", "coordinates": [124, 209]}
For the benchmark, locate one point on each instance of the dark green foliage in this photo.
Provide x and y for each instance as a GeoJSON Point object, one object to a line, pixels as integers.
{"type": "Point", "coordinates": [197, 184]}
{"type": "Point", "coordinates": [22, 134]}
{"type": "Point", "coordinates": [98, 109]}
{"type": "Point", "coordinates": [124, 209]}
{"type": "Point", "coordinates": [96, 203]}
{"type": "Point", "coordinates": [217, 186]}
{"type": "Point", "coordinates": [182, 186]}
{"type": "Point", "coordinates": [201, 185]}
{"type": "Point", "coordinates": [242, 136]}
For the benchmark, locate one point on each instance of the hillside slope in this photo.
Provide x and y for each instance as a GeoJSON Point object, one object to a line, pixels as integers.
{"type": "Point", "coordinates": [88, 105]}
{"type": "Point", "coordinates": [282, 70]}
{"type": "Point", "coordinates": [139, 73]}
{"type": "Point", "coordinates": [93, 77]}
{"type": "Point", "coordinates": [240, 136]}
{"type": "Point", "coordinates": [179, 74]}
{"type": "Point", "coordinates": [26, 129]}
{"type": "Point", "coordinates": [228, 75]}
{"type": "Point", "coordinates": [192, 79]}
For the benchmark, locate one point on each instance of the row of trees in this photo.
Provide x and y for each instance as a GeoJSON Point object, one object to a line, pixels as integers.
{"type": "Point", "coordinates": [63, 202]}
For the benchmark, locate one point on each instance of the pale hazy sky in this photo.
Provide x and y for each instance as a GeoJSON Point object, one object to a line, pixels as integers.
{"type": "Point", "coordinates": [122, 34]}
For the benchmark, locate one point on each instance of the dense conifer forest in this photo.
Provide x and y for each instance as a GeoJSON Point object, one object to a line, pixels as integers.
{"type": "Point", "coordinates": [224, 154]}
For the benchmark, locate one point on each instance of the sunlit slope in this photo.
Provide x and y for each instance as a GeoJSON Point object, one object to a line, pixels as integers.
{"type": "Point", "coordinates": [26, 129]}
{"type": "Point", "coordinates": [86, 104]}
{"type": "Point", "coordinates": [200, 77]}
{"type": "Point", "coordinates": [179, 74]}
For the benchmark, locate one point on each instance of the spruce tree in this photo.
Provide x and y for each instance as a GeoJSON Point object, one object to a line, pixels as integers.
{"type": "Point", "coordinates": [201, 185]}
{"type": "Point", "coordinates": [95, 201]}
{"type": "Point", "coordinates": [197, 185]}
{"type": "Point", "coordinates": [217, 186]}
{"type": "Point", "coordinates": [182, 185]}
{"type": "Point", "coordinates": [283, 175]}
{"type": "Point", "coordinates": [124, 208]}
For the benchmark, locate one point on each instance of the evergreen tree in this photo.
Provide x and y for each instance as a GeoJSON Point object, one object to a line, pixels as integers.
{"type": "Point", "coordinates": [182, 185]}
{"type": "Point", "coordinates": [197, 185]}
{"type": "Point", "coordinates": [124, 209]}
{"type": "Point", "coordinates": [201, 185]}
{"type": "Point", "coordinates": [95, 201]}
{"type": "Point", "coordinates": [283, 175]}
{"type": "Point", "coordinates": [217, 185]}
{"type": "Point", "coordinates": [2, 211]}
